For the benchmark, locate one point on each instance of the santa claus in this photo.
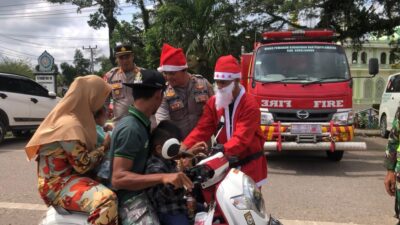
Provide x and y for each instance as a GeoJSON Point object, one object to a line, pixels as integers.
{"type": "Point", "coordinates": [239, 115]}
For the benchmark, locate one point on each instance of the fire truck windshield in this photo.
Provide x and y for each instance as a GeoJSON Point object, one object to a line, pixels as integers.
{"type": "Point", "coordinates": [301, 63]}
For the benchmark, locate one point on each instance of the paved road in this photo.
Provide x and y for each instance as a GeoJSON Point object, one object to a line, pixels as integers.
{"type": "Point", "coordinates": [308, 187]}
{"type": "Point", "coordinates": [303, 188]}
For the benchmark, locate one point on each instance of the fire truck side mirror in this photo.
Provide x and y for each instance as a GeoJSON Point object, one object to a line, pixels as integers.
{"type": "Point", "coordinates": [373, 66]}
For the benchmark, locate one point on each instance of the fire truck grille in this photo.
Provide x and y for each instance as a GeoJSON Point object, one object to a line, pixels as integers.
{"type": "Point", "coordinates": [300, 115]}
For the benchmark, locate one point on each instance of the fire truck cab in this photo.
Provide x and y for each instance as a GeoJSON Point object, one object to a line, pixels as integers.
{"type": "Point", "coordinates": [302, 82]}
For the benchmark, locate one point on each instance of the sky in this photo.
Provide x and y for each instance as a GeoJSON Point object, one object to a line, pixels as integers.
{"type": "Point", "coordinates": [29, 27]}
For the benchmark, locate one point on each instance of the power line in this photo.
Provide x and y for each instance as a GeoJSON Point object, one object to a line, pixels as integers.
{"type": "Point", "coordinates": [51, 12]}
{"type": "Point", "coordinates": [13, 50]}
{"type": "Point", "coordinates": [22, 4]}
{"type": "Point", "coordinates": [53, 37]}
{"type": "Point", "coordinates": [55, 12]}
{"type": "Point", "coordinates": [36, 45]}
{"type": "Point", "coordinates": [33, 57]}
{"type": "Point", "coordinates": [52, 7]}
{"type": "Point", "coordinates": [50, 16]}
{"type": "Point", "coordinates": [39, 2]}
{"type": "Point", "coordinates": [15, 55]}
{"type": "Point", "coordinates": [19, 56]}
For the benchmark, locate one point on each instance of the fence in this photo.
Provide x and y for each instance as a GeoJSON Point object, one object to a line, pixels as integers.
{"type": "Point", "coordinates": [367, 119]}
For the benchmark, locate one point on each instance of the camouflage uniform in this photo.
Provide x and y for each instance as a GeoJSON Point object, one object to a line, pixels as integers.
{"type": "Point", "coordinates": [184, 105]}
{"type": "Point", "coordinates": [121, 95]}
{"type": "Point", "coordinates": [391, 157]}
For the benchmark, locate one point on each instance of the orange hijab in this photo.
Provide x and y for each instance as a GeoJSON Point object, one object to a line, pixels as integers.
{"type": "Point", "coordinates": [72, 118]}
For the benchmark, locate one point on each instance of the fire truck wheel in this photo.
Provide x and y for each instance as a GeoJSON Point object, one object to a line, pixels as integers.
{"type": "Point", "coordinates": [335, 156]}
{"type": "Point", "coordinates": [383, 127]}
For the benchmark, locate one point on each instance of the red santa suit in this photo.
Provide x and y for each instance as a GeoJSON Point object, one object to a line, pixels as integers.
{"type": "Point", "coordinates": [243, 139]}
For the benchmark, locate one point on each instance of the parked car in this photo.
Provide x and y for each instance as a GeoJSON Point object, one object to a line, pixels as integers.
{"type": "Point", "coordinates": [389, 104]}
{"type": "Point", "coordinates": [23, 104]}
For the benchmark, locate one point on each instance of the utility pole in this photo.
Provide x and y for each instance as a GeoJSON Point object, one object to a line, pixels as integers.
{"type": "Point", "coordinates": [91, 56]}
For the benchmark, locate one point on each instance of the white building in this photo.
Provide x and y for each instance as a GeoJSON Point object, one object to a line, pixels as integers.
{"type": "Point", "coordinates": [368, 91]}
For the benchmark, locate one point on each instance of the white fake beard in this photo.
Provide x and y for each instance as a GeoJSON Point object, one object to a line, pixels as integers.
{"type": "Point", "coordinates": [224, 96]}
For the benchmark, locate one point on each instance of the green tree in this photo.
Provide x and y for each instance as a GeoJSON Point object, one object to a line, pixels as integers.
{"type": "Point", "coordinates": [105, 65]}
{"type": "Point", "coordinates": [205, 29]}
{"type": "Point", "coordinates": [81, 64]}
{"type": "Point", "coordinates": [80, 67]}
{"type": "Point", "coordinates": [68, 72]}
{"type": "Point", "coordinates": [132, 34]}
{"type": "Point", "coordinates": [103, 17]}
{"type": "Point", "coordinates": [16, 66]}
{"type": "Point", "coordinates": [355, 19]}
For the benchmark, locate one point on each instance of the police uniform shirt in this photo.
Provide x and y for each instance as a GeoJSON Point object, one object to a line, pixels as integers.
{"type": "Point", "coordinates": [121, 95]}
{"type": "Point", "coordinates": [184, 105]}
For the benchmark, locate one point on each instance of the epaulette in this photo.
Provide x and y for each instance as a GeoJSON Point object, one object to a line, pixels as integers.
{"type": "Point", "coordinates": [113, 69]}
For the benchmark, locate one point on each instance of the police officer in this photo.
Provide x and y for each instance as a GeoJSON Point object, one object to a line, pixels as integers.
{"type": "Point", "coordinates": [185, 95]}
{"type": "Point", "coordinates": [126, 72]}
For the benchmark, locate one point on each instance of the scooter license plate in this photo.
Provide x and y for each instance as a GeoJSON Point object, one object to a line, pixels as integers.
{"type": "Point", "coordinates": [306, 129]}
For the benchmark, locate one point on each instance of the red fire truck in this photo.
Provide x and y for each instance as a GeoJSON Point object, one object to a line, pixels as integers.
{"type": "Point", "coordinates": [303, 84]}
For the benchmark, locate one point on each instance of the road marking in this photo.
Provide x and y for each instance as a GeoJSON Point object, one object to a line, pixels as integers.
{"type": "Point", "coordinates": [26, 206]}
{"type": "Point", "coordinates": [303, 222]}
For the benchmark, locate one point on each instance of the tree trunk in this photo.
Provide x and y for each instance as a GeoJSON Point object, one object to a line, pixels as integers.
{"type": "Point", "coordinates": [145, 15]}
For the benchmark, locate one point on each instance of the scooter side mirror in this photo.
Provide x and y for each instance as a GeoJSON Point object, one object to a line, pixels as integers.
{"type": "Point", "coordinates": [170, 148]}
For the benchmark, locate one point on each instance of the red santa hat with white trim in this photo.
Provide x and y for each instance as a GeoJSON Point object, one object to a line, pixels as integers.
{"type": "Point", "coordinates": [172, 59]}
{"type": "Point", "coordinates": [227, 68]}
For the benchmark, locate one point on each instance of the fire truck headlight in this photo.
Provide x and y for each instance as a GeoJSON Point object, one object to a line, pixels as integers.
{"type": "Point", "coordinates": [343, 118]}
{"type": "Point", "coordinates": [266, 118]}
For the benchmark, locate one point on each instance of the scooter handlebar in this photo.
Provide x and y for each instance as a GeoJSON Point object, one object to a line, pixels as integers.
{"type": "Point", "coordinates": [199, 174]}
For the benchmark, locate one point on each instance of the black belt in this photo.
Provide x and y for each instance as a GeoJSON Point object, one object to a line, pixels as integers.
{"type": "Point", "coordinates": [246, 160]}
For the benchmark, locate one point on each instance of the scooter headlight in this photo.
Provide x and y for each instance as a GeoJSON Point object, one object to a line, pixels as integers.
{"type": "Point", "coordinates": [251, 199]}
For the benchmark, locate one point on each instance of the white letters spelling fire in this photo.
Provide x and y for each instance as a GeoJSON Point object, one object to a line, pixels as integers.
{"type": "Point", "coordinates": [318, 104]}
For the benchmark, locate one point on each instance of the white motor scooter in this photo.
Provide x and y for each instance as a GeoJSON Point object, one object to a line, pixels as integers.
{"type": "Point", "coordinates": [60, 216]}
{"type": "Point", "coordinates": [232, 197]}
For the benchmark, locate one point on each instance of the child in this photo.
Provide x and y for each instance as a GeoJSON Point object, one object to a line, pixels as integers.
{"type": "Point", "coordinates": [103, 170]}
{"type": "Point", "coordinates": [167, 201]}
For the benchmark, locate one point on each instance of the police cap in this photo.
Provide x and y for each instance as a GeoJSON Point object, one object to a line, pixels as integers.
{"type": "Point", "coordinates": [123, 50]}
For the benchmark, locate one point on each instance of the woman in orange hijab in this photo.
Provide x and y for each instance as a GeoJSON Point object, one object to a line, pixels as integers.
{"type": "Point", "coordinates": [64, 147]}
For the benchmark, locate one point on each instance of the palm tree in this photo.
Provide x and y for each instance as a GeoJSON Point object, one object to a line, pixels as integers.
{"type": "Point", "coordinates": [203, 28]}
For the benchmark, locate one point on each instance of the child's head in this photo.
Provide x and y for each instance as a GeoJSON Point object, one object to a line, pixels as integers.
{"type": "Point", "coordinates": [164, 131]}
{"type": "Point", "coordinates": [101, 116]}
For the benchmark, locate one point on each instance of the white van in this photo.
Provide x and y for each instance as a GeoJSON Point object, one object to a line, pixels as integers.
{"type": "Point", "coordinates": [389, 104]}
